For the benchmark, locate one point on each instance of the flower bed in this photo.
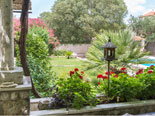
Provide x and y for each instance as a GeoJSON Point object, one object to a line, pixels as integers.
{"type": "Point", "coordinates": [76, 91]}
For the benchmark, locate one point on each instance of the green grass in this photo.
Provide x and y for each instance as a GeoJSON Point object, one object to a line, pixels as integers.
{"type": "Point", "coordinates": [65, 61]}
{"type": "Point", "coordinates": [62, 66]}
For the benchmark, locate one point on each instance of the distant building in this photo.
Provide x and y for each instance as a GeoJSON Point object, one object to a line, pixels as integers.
{"type": "Point", "coordinates": [151, 13]}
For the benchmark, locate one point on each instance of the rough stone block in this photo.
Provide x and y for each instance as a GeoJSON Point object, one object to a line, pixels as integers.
{"type": "Point", "coordinates": [24, 94]}
{"type": "Point", "coordinates": [44, 104]}
{"type": "Point", "coordinates": [14, 96]}
{"type": "Point", "coordinates": [15, 75]}
{"type": "Point", "coordinates": [4, 96]}
{"type": "Point", "coordinates": [1, 109]}
{"type": "Point", "coordinates": [20, 107]}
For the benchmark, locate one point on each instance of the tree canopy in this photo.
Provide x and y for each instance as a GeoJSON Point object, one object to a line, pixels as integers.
{"type": "Point", "coordinates": [77, 21]}
{"type": "Point", "coordinates": [144, 27]}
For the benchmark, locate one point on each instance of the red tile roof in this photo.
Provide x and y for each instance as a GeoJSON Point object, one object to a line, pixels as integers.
{"type": "Point", "coordinates": [151, 13]}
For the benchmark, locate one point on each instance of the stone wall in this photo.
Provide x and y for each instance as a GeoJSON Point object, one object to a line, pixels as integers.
{"type": "Point", "coordinates": [14, 103]}
{"type": "Point", "coordinates": [79, 49]}
{"type": "Point", "coordinates": [151, 47]}
{"type": "Point", "coordinates": [135, 107]}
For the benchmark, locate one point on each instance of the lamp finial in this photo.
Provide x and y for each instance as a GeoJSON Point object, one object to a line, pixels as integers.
{"type": "Point", "coordinates": [109, 40]}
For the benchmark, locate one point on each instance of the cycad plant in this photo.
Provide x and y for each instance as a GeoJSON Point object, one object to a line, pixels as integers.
{"type": "Point", "coordinates": [127, 51]}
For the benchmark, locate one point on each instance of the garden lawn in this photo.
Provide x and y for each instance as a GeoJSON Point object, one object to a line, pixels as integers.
{"type": "Point", "coordinates": [62, 66]}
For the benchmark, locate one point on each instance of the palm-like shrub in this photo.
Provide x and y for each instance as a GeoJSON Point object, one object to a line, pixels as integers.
{"type": "Point", "coordinates": [127, 50]}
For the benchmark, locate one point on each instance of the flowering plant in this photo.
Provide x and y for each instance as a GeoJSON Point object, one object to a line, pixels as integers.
{"type": "Point", "coordinates": [124, 87]}
{"type": "Point", "coordinates": [75, 90]}
{"type": "Point", "coordinates": [40, 28]}
{"type": "Point", "coordinates": [147, 77]}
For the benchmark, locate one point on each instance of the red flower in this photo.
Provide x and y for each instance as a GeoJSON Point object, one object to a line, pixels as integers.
{"type": "Point", "coordinates": [139, 72]}
{"type": "Point", "coordinates": [99, 83]}
{"type": "Point", "coordinates": [151, 66]}
{"type": "Point", "coordinates": [150, 71]}
{"type": "Point", "coordinates": [71, 73]}
{"type": "Point", "coordinates": [106, 73]}
{"type": "Point", "coordinates": [100, 76]}
{"type": "Point", "coordinates": [116, 76]}
{"type": "Point", "coordinates": [111, 72]}
{"type": "Point", "coordinates": [105, 77]}
{"type": "Point", "coordinates": [82, 72]}
{"type": "Point", "coordinates": [123, 68]}
{"type": "Point", "coordinates": [81, 77]}
{"type": "Point", "coordinates": [76, 69]}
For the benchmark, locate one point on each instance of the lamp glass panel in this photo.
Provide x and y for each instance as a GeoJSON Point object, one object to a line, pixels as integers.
{"type": "Point", "coordinates": [109, 52]}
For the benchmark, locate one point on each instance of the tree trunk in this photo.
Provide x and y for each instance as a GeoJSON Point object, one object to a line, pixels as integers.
{"type": "Point", "coordinates": [22, 43]}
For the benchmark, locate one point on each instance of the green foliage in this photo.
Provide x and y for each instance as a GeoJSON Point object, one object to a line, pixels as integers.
{"type": "Point", "coordinates": [37, 26]}
{"type": "Point", "coordinates": [148, 80]}
{"type": "Point", "coordinates": [77, 21]}
{"type": "Point", "coordinates": [126, 52]}
{"type": "Point", "coordinates": [144, 27]}
{"type": "Point", "coordinates": [123, 88]}
{"type": "Point", "coordinates": [59, 52]}
{"type": "Point", "coordinates": [75, 91]}
{"type": "Point", "coordinates": [68, 54]}
{"type": "Point", "coordinates": [44, 34]}
{"type": "Point", "coordinates": [78, 101]}
{"type": "Point", "coordinates": [126, 88]}
{"type": "Point", "coordinates": [38, 62]}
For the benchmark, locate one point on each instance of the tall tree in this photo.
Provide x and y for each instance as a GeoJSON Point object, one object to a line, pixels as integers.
{"type": "Point", "coordinates": [77, 21]}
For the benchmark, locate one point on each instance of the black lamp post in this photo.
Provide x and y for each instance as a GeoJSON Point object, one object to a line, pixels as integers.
{"type": "Point", "coordinates": [109, 55]}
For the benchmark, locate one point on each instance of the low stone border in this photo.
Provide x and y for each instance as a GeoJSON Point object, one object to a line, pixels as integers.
{"type": "Point", "coordinates": [138, 107]}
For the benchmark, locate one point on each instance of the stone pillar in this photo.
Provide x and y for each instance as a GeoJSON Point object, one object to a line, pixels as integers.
{"type": "Point", "coordinates": [14, 89]}
{"type": "Point", "coordinates": [6, 35]}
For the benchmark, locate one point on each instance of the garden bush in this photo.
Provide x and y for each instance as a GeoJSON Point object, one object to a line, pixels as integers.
{"type": "Point", "coordinates": [38, 63]}
{"type": "Point", "coordinates": [124, 87]}
{"type": "Point", "coordinates": [75, 91]}
{"type": "Point", "coordinates": [38, 27]}
{"type": "Point", "coordinates": [39, 44]}
{"type": "Point", "coordinates": [147, 77]}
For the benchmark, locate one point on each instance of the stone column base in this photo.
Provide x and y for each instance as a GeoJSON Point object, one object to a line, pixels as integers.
{"type": "Point", "coordinates": [15, 101]}
{"type": "Point", "coordinates": [15, 75]}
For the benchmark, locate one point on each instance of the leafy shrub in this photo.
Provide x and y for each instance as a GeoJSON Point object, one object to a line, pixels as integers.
{"type": "Point", "coordinates": [74, 91]}
{"type": "Point", "coordinates": [147, 77]}
{"type": "Point", "coordinates": [122, 88]}
{"type": "Point", "coordinates": [68, 54]}
{"type": "Point", "coordinates": [59, 52]}
{"type": "Point", "coordinates": [39, 63]}
{"type": "Point", "coordinates": [37, 26]}
{"type": "Point", "coordinates": [126, 88]}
